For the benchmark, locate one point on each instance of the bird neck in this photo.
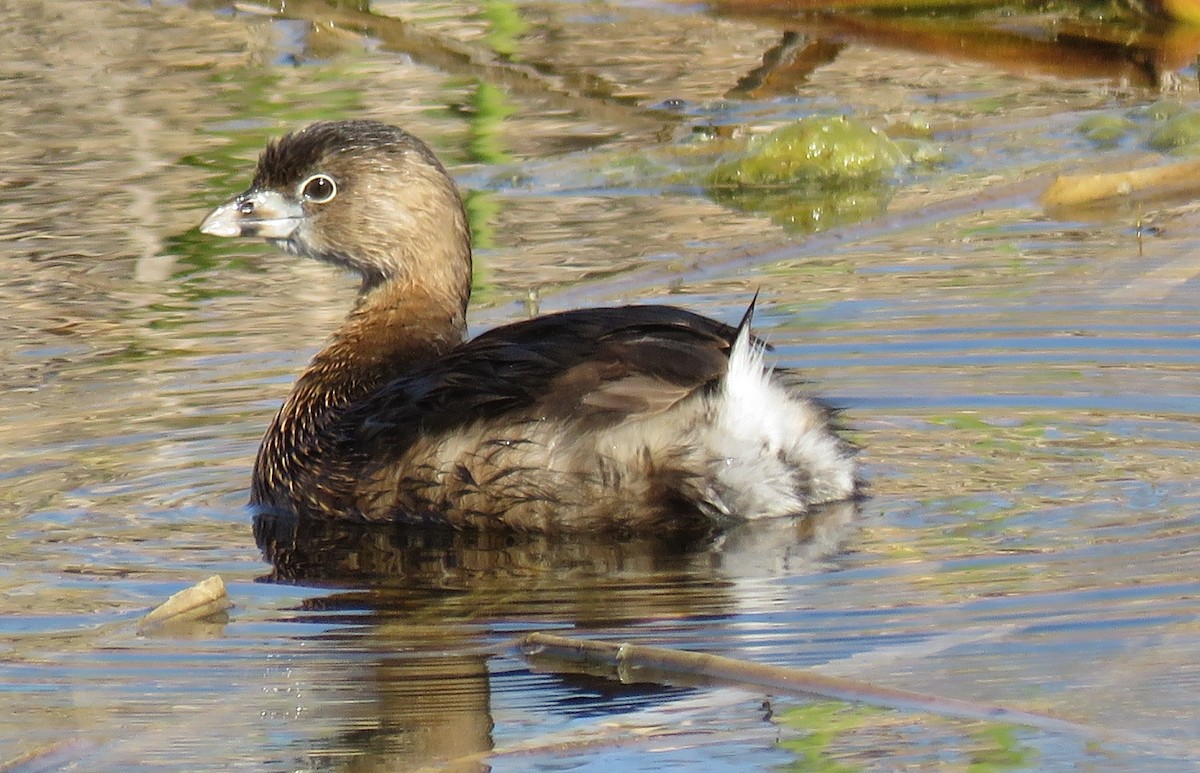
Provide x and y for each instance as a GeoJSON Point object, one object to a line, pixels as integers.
{"type": "Point", "coordinates": [392, 330]}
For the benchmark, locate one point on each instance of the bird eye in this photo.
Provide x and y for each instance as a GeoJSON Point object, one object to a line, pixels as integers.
{"type": "Point", "coordinates": [318, 189]}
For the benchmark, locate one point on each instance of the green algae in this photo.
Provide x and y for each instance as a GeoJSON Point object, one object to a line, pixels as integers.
{"type": "Point", "coordinates": [812, 174]}
{"type": "Point", "coordinates": [816, 151]}
{"type": "Point", "coordinates": [1178, 134]}
{"type": "Point", "coordinates": [1106, 130]}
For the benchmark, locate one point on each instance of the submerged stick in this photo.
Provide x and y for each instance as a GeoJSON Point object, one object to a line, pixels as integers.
{"type": "Point", "coordinates": [204, 599]}
{"type": "Point", "coordinates": [637, 663]}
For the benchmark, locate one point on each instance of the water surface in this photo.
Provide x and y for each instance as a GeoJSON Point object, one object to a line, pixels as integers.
{"type": "Point", "coordinates": [1023, 387]}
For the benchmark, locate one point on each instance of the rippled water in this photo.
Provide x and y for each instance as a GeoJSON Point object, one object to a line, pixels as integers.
{"type": "Point", "coordinates": [1023, 386]}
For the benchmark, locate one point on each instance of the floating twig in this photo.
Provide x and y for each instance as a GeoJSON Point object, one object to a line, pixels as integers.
{"type": "Point", "coordinates": [203, 600]}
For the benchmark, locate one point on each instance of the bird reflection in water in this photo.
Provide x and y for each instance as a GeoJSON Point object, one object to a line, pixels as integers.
{"type": "Point", "coordinates": [421, 612]}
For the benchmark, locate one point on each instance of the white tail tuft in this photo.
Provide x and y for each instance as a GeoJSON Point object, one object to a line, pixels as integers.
{"type": "Point", "coordinates": [773, 450]}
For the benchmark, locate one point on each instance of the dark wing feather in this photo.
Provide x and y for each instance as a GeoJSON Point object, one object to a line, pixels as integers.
{"type": "Point", "coordinates": [593, 366]}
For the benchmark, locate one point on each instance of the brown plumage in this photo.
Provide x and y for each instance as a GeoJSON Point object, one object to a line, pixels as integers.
{"type": "Point", "coordinates": [634, 418]}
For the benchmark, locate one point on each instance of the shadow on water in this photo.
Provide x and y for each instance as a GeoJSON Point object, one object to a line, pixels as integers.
{"type": "Point", "coordinates": [419, 601]}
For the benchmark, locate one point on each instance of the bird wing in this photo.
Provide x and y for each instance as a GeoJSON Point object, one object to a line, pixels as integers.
{"type": "Point", "coordinates": [593, 367]}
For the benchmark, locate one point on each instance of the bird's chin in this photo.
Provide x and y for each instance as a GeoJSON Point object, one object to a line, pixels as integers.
{"type": "Point", "coordinates": [286, 244]}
